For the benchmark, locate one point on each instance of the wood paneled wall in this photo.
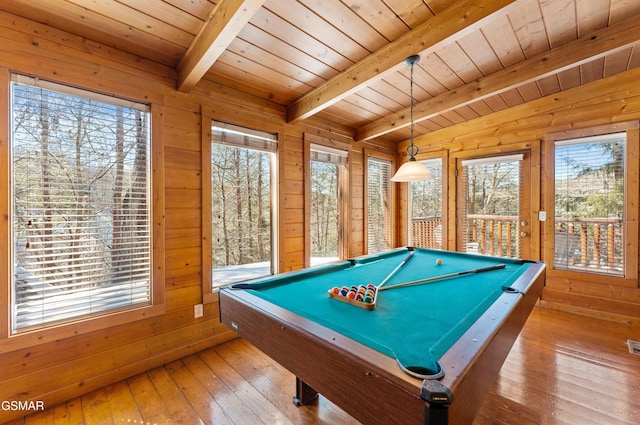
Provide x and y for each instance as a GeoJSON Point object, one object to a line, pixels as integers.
{"type": "Point", "coordinates": [608, 105]}
{"type": "Point", "coordinates": [60, 369]}
{"type": "Point", "coordinates": [63, 368]}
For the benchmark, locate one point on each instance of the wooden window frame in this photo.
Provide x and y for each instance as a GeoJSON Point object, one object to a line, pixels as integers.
{"type": "Point", "coordinates": [369, 154]}
{"type": "Point", "coordinates": [406, 192]}
{"type": "Point", "coordinates": [343, 184]}
{"type": "Point", "coordinates": [209, 293]}
{"type": "Point", "coordinates": [533, 200]}
{"type": "Point", "coordinates": [99, 321]}
{"type": "Point", "coordinates": [631, 196]}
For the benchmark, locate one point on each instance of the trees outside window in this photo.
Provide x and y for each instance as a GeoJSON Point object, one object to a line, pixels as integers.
{"type": "Point", "coordinates": [81, 203]}
{"type": "Point", "coordinates": [589, 204]}
{"type": "Point", "coordinates": [327, 203]}
{"type": "Point", "coordinates": [425, 226]}
{"type": "Point", "coordinates": [491, 189]}
{"type": "Point", "coordinates": [241, 193]}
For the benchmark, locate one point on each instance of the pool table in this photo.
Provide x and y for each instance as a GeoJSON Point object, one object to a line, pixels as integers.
{"type": "Point", "coordinates": [424, 353]}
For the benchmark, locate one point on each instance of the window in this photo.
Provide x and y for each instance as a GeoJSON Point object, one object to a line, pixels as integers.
{"type": "Point", "coordinates": [327, 199]}
{"type": "Point", "coordinates": [379, 204]}
{"type": "Point", "coordinates": [589, 204]}
{"type": "Point", "coordinates": [81, 208]}
{"type": "Point", "coordinates": [425, 227]}
{"type": "Point", "coordinates": [242, 178]}
{"type": "Point", "coordinates": [491, 190]}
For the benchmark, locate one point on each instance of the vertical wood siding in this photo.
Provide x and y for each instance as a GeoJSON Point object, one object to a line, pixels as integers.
{"type": "Point", "coordinates": [61, 369]}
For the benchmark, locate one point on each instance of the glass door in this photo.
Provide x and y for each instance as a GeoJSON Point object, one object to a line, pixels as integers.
{"type": "Point", "coordinates": [494, 208]}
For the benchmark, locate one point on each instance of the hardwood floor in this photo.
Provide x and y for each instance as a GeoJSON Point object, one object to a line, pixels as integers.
{"type": "Point", "coordinates": [567, 369]}
{"type": "Point", "coordinates": [563, 369]}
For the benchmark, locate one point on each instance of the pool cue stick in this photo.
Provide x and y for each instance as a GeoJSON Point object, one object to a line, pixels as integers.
{"type": "Point", "coordinates": [398, 267]}
{"type": "Point", "coordinates": [444, 276]}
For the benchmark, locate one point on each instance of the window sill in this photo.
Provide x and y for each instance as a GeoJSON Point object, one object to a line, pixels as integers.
{"type": "Point", "coordinates": [55, 332]}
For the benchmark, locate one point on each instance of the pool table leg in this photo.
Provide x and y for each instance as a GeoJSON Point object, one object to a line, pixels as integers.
{"type": "Point", "coordinates": [436, 415]}
{"type": "Point", "coordinates": [438, 398]}
{"type": "Point", "coordinates": [304, 393]}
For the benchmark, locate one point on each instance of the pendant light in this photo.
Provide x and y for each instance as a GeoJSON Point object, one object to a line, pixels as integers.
{"type": "Point", "coordinates": [412, 170]}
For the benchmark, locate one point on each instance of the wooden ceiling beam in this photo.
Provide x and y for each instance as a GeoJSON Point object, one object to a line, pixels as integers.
{"type": "Point", "coordinates": [585, 49]}
{"type": "Point", "coordinates": [224, 23]}
{"type": "Point", "coordinates": [455, 22]}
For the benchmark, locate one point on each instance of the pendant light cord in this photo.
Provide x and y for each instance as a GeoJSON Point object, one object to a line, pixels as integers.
{"type": "Point", "coordinates": [412, 153]}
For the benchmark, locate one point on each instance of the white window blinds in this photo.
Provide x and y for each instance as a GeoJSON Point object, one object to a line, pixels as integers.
{"type": "Point", "coordinates": [491, 189]}
{"type": "Point", "coordinates": [425, 227]}
{"type": "Point", "coordinates": [233, 135]}
{"type": "Point", "coordinates": [81, 205]}
{"type": "Point", "coordinates": [589, 204]}
{"type": "Point", "coordinates": [379, 216]}
{"type": "Point", "coordinates": [329, 155]}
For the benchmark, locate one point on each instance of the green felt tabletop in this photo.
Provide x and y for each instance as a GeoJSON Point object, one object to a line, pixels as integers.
{"type": "Point", "coordinates": [415, 324]}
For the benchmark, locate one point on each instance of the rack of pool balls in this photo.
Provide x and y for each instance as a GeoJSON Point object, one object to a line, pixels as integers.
{"type": "Point", "coordinates": [363, 296]}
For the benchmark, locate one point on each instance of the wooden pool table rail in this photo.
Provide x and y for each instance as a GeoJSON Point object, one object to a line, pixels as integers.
{"type": "Point", "coordinates": [368, 384]}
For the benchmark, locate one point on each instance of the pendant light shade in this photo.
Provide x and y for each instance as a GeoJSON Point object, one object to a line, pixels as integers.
{"type": "Point", "coordinates": [412, 170]}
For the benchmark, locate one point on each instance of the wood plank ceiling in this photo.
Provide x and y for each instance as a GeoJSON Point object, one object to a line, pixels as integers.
{"type": "Point", "coordinates": [342, 59]}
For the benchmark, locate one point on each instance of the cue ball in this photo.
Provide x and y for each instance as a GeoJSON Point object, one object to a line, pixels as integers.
{"type": "Point", "coordinates": [438, 261]}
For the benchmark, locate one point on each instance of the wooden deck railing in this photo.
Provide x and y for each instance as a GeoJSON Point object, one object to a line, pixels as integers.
{"type": "Point", "coordinates": [489, 234]}
{"type": "Point", "coordinates": [426, 232]}
{"type": "Point", "coordinates": [589, 243]}
{"type": "Point", "coordinates": [493, 235]}
{"type": "Point", "coordinates": [596, 244]}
